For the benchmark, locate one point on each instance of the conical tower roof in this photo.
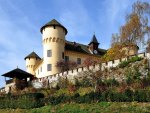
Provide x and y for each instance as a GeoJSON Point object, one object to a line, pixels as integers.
{"type": "Point", "coordinates": [32, 55]}
{"type": "Point", "coordinates": [94, 40]}
{"type": "Point", "coordinates": [54, 23]}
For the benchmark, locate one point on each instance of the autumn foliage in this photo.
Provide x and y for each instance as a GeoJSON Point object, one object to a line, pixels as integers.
{"type": "Point", "coordinates": [136, 26]}
{"type": "Point", "coordinates": [64, 66]}
{"type": "Point", "coordinates": [132, 34]}
{"type": "Point", "coordinates": [114, 53]}
{"type": "Point", "coordinates": [89, 61]}
{"type": "Point", "coordinates": [131, 31]}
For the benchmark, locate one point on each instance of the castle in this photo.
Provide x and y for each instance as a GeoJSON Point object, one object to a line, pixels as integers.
{"type": "Point", "coordinates": [56, 48]}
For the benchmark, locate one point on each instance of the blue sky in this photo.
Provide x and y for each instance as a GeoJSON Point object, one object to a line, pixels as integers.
{"type": "Point", "coordinates": [21, 20]}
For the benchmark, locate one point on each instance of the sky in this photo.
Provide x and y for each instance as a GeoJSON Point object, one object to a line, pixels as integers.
{"type": "Point", "coordinates": [21, 20]}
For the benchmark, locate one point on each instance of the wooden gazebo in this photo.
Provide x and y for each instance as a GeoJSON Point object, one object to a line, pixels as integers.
{"type": "Point", "coordinates": [18, 77]}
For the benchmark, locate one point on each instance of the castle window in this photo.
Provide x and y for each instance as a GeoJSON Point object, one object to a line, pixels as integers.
{"type": "Point", "coordinates": [62, 55]}
{"type": "Point", "coordinates": [41, 69]}
{"type": "Point", "coordinates": [49, 53]}
{"type": "Point", "coordinates": [66, 58]}
{"type": "Point", "coordinates": [78, 60]}
{"type": "Point", "coordinates": [49, 67]}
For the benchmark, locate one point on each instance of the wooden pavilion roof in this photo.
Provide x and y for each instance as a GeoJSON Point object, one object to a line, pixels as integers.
{"type": "Point", "coordinates": [18, 73]}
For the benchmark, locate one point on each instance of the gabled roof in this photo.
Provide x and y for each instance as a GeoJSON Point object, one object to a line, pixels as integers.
{"type": "Point", "coordinates": [32, 55]}
{"type": "Point", "coordinates": [77, 47]}
{"type": "Point", "coordinates": [54, 23]}
{"type": "Point", "coordinates": [94, 40]}
{"type": "Point", "coordinates": [18, 73]}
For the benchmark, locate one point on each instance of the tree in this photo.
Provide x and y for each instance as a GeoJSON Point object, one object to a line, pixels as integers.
{"type": "Point", "coordinates": [132, 31]}
{"type": "Point", "coordinates": [131, 34]}
{"type": "Point", "coordinates": [92, 75]}
{"type": "Point", "coordinates": [114, 52]}
{"type": "Point", "coordinates": [148, 46]}
{"type": "Point", "coordinates": [136, 26]}
{"type": "Point", "coordinates": [115, 39]}
{"type": "Point", "coordinates": [64, 66]}
{"type": "Point", "coordinates": [63, 82]}
{"type": "Point", "coordinates": [89, 61]}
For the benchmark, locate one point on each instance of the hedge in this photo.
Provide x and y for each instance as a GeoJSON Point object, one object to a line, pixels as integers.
{"type": "Point", "coordinates": [34, 100]}
{"type": "Point", "coordinates": [25, 101]}
{"type": "Point", "coordinates": [132, 59]}
{"type": "Point", "coordinates": [107, 96]}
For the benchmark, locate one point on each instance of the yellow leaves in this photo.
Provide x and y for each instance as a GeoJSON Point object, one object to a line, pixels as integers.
{"type": "Point", "coordinates": [114, 53]}
{"type": "Point", "coordinates": [132, 29]}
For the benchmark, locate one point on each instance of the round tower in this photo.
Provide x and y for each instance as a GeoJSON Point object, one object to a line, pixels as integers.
{"type": "Point", "coordinates": [31, 60]}
{"type": "Point", "coordinates": [53, 38]}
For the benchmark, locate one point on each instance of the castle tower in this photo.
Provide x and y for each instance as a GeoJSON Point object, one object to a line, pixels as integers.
{"type": "Point", "coordinates": [53, 36]}
{"type": "Point", "coordinates": [93, 45]}
{"type": "Point", "coordinates": [31, 60]}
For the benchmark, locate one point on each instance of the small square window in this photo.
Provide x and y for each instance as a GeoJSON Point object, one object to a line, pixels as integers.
{"type": "Point", "coordinates": [66, 58]}
{"type": "Point", "coordinates": [41, 69]}
{"type": "Point", "coordinates": [49, 67]}
{"type": "Point", "coordinates": [49, 53]}
{"type": "Point", "coordinates": [62, 55]}
{"type": "Point", "coordinates": [78, 60]}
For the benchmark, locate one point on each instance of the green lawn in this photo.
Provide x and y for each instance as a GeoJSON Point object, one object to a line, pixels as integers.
{"type": "Point", "coordinates": [102, 107]}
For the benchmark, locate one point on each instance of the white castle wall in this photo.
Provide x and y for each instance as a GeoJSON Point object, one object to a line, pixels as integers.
{"type": "Point", "coordinates": [7, 87]}
{"type": "Point", "coordinates": [70, 74]}
{"type": "Point", "coordinates": [2, 90]}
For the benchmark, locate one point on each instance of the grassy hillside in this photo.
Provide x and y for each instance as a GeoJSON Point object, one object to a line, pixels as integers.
{"type": "Point", "coordinates": [103, 107]}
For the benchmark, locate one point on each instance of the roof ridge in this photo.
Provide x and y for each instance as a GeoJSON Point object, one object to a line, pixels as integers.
{"type": "Point", "coordinates": [82, 44]}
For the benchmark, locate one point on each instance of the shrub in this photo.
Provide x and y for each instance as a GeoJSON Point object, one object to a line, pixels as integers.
{"type": "Point", "coordinates": [80, 99]}
{"type": "Point", "coordinates": [129, 80]}
{"type": "Point", "coordinates": [26, 101]}
{"type": "Point", "coordinates": [54, 100]}
{"type": "Point", "coordinates": [117, 97]}
{"type": "Point", "coordinates": [140, 96]}
{"type": "Point", "coordinates": [129, 94]}
{"type": "Point", "coordinates": [88, 98]}
{"type": "Point", "coordinates": [132, 59]}
{"type": "Point", "coordinates": [86, 82]}
{"type": "Point", "coordinates": [94, 96]}
{"type": "Point", "coordinates": [76, 95]}
{"type": "Point", "coordinates": [111, 82]}
{"type": "Point", "coordinates": [123, 64]}
{"type": "Point", "coordinates": [77, 83]}
{"type": "Point", "coordinates": [146, 81]}
{"type": "Point", "coordinates": [62, 82]}
{"type": "Point", "coordinates": [133, 75]}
